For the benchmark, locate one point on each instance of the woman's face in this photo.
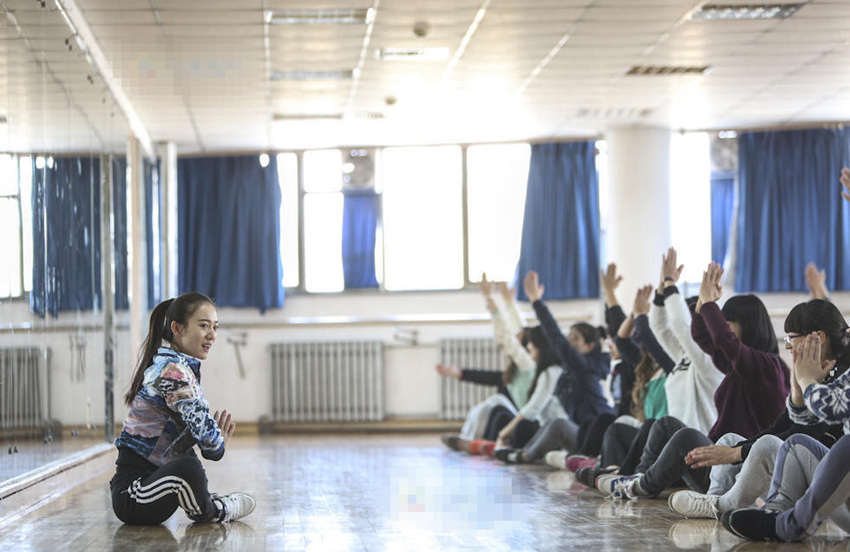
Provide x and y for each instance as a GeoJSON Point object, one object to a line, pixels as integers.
{"type": "Point", "coordinates": [794, 343]}
{"type": "Point", "coordinates": [197, 336]}
{"type": "Point", "coordinates": [578, 343]}
{"type": "Point", "coordinates": [533, 351]}
{"type": "Point", "coordinates": [735, 327]}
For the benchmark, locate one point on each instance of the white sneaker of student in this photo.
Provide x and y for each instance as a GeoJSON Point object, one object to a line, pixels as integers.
{"type": "Point", "coordinates": [234, 506]}
{"type": "Point", "coordinates": [694, 505]}
{"type": "Point", "coordinates": [557, 459]}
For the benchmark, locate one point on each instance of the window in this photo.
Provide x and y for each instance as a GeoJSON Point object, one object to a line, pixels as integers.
{"type": "Point", "coordinates": [323, 221]}
{"type": "Point", "coordinates": [15, 226]}
{"type": "Point", "coordinates": [423, 218]}
{"type": "Point", "coordinates": [690, 203]}
{"type": "Point", "coordinates": [497, 178]}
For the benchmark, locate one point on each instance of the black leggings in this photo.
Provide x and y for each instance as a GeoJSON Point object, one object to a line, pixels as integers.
{"type": "Point", "coordinates": [143, 494]}
{"type": "Point", "coordinates": [500, 417]}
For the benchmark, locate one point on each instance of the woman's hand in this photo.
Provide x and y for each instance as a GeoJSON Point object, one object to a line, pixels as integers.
{"type": "Point", "coordinates": [610, 280]}
{"type": "Point", "coordinates": [485, 285]}
{"type": "Point", "coordinates": [809, 368]}
{"type": "Point", "coordinates": [533, 287]}
{"type": "Point", "coordinates": [508, 293]}
{"type": "Point", "coordinates": [448, 371]}
{"type": "Point", "coordinates": [641, 305]}
{"type": "Point", "coordinates": [712, 455]}
{"type": "Point", "coordinates": [225, 424]}
{"type": "Point", "coordinates": [816, 282]}
{"type": "Point", "coordinates": [710, 289]}
{"type": "Point", "coordinates": [845, 181]}
{"type": "Point", "coordinates": [670, 273]}
{"type": "Point", "coordinates": [796, 391]}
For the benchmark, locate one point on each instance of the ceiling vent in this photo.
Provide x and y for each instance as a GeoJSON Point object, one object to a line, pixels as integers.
{"type": "Point", "coordinates": [313, 75]}
{"type": "Point", "coordinates": [417, 54]}
{"type": "Point", "coordinates": [613, 113]}
{"type": "Point", "coordinates": [322, 17]}
{"type": "Point", "coordinates": [667, 70]}
{"type": "Point", "coordinates": [745, 11]}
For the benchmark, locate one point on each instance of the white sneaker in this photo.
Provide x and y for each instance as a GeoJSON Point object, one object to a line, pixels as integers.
{"type": "Point", "coordinates": [557, 459]}
{"type": "Point", "coordinates": [234, 506]}
{"type": "Point", "coordinates": [694, 505]}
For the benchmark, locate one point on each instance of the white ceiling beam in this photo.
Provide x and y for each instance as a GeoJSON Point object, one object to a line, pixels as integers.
{"type": "Point", "coordinates": [88, 43]}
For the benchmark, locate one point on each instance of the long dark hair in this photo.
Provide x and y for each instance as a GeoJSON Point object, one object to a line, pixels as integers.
{"type": "Point", "coordinates": [643, 374]}
{"type": "Point", "coordinates": [819, 315]}
{"type": "Point", "coordinates": [178, 309]}
{"type": "Point", "coordinates": [589, 333]}
{"type": "Point", "coordinates": [756, 327]}
{"type": "Point", "coordinates": [510, 372]}
{"type": "Point", "coordinates": [546, 357]}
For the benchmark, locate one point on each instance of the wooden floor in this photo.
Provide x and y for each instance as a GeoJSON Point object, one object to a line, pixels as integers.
{"type": "Point", "coordinates": [384, 492]}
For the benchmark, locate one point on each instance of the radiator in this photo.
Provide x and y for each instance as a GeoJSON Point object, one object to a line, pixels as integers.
{"type": "Point", "coordinates": [24, 388]}
{"type": "Point", "coordinates": [340, 381]}
{"type": "Point", "coordinates": [459, 396]}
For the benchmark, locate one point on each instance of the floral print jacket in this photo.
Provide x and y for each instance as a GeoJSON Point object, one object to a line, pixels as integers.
{"type": "Point", "coordinates": [169, 415]}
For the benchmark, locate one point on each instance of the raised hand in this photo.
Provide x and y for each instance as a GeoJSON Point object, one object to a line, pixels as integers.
{"type": "Point", "coordinates": [642, 296]}
{"type": "Point", "coordinates": [448, 371]}
{"type": "Point", "coordinates": [533, 287]}
{"type": "Point", "coordinates": [816, 282]}
{"type": "Point", "coordinates": [610, 280]}
{"type": "Point", "coordinates": [508, 293]}
{"type": "Point", "coordinates": [845, 181]}
{"type": "Point", "coordinates": [485, 285]}
{"type": "Point", "coordinates": [710, 289]}
{"type": "Point", "coordinates": [225, 424]}
{"type": "Point", "coordinates": [670, 272]}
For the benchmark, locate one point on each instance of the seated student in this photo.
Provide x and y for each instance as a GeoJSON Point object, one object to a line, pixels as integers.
{"type": "Point", "coordinates": [742, 344]}
{"type": "Point", "coordinates": [736, 484]}
{"type": "Point", "coordinates": [157, 470]}
{"type": "Point", "coordinates": [585, 365]}
{"type": "Point", "coordinates": [514, 382]}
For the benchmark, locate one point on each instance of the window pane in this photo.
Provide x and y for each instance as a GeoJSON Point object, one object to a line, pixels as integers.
{"type": "Point", "coordinates": [423, 219]}
{"type": "Point", "coordinates": [690, 202]}
{"type": "Point", "coordinates": [323, 242]}
{"type": "Point", "coordinates": [26, 215]}
{"type": "Point", "coordinates": [287, 171]}
{"type": "Point", "coordinates": [10, 252]}
{"type": "Point", "coordinates": [8, 176]}
{"type": "Point", "coordinates": [497, 178]}
{"type": "Point", "coordinates": [323, 171]}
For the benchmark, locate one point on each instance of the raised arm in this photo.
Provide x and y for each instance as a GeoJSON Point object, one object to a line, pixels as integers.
{"type": "Point", "coordinates": [816, 282]}
{"type": "Point", "coordinates": [515, 320]}
{"type": "Point", "coordinates": [644, 335]}
{"type": "Point", "coordinates": [625, 343]}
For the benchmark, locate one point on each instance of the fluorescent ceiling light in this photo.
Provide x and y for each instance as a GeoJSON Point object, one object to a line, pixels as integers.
{"type": "Point", "coordinates": [612, 113]}
{"type": "Point", "coordinates": [307, 116]}
{"type": "Point", "coordinates": [417, 54]}
{"type": "Point", "coordinates": [666, 70]}
{"type": "Point", "coordinates": [746, 11]}
{"type": "Point", "coordinates": [321, 17]}
{"type": "Point", "coordinates": [312, 75]}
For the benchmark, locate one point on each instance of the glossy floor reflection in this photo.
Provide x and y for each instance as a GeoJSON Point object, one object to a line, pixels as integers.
{"type": "Point", "coordinates": [365, 492]}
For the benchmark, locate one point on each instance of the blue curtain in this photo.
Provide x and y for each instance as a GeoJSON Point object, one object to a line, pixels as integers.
{"type": "Point", "coordinates": [153, 237]}
{"type": "Point", "coordinates": [722, 203]}
{"type": "Point", "coordinates": [229, 230]}
{"type": "Point", "coordinates": [120, 238]}
{"type": "Point", "coordinates": [66, 236]}
{"type": "Point", "coordinates": [560, 229]}
{"type": "Point", "coordinates": [360, 214]}
{"type": "Point", "coordinates": [790, 212]}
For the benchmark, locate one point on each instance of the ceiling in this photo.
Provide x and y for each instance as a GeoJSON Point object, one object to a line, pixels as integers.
{"type": "Point", "coordinates": [200, 73]}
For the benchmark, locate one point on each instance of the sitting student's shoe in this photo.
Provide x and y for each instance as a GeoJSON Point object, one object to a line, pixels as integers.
{"type": "Point", "coordinates": [451, 441]}
{"type": "Point", "coordinates": [619, 486]}
{"type": "Point", "coordinates": [556, 459]}
{"type": "Point", "coordinates": [751, 524]}
{"type": "Point", "coordinates": [587, 476]}
{"type": "Point", "coordinates": [480, 446]}
{"type": "Point", "coordinates": [509, 456]}
{"type": "Point", "coordinates": [234, 506]}
{"type": "Point", "coordinates": [694, 505]}
{"type": "Point", "coordinates": [578, 461]}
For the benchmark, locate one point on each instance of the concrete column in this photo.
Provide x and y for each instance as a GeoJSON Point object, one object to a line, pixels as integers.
{"type": "Point", "coordinates": [168, 215]}
{"type": "Point", "coordinates": [638, 229]}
